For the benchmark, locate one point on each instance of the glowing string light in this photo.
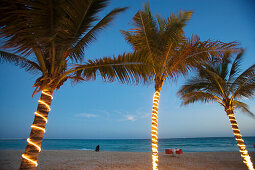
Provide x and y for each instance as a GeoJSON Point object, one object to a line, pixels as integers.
{"type": "Point", "coordinates": [43, 92]}
{"type": "Point", "coordinates": [242, 147]}
{"type": "Point", "coordinates": [34, 162]}
{"type": "Point", "coordinates": [44, 118]}
{"type": "Point", "coordinates": [38, 128]}
{"type": "Point", "coordinates": [35, 145]}
{"type": "Point", "coordinates": [240, 140]}
{"type": "Point", "coordinates": [154, 131]}
{"type": "Point", "coordinates": [45, 104]}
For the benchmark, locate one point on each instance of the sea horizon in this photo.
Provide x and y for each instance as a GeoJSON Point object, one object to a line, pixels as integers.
{"type": "Point", "coordinates": [201, 144]}
{"type": "Point", "coordinates": [124, 138]}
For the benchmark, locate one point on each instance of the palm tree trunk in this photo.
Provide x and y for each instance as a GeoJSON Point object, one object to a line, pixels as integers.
{"type": "Point", "coordinates": [30, 156]}
{"type": "Point", "coordinates": [239, 140]}
{"type": "Point", "coordinates": [154, 128]}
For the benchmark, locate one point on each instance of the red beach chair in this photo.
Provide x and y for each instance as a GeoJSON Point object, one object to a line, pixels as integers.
{"type": "Point", "coordinates": [168, 151]}
{"type": "Point", "coordinates": [179, 151]}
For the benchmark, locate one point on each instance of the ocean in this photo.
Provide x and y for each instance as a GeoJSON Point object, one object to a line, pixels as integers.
{"type": "Point", "coordinates": [211, 144]}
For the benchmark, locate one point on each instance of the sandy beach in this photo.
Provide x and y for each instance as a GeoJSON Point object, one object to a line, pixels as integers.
{"type": "Point", "coordinates": [90, 160]}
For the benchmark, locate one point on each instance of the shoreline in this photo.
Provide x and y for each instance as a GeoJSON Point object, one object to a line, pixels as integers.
{"type": "Point", "coordinates": [91, 160]}
{"type": "Point", "coordinates": [90, 150]}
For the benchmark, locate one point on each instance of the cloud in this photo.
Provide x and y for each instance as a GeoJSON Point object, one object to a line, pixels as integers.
{"type": "Point", "coordinates": [130, 118]}
{"type": "Point", "coordinates": [134, 116]}
{"type": "Point", "coordinates": [86, 115]}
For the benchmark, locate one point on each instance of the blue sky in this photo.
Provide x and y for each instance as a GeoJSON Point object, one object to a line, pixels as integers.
{"type": "Point", "coordinates": [96, 110]}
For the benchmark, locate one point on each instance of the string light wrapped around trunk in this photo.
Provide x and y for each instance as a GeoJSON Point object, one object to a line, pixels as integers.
{"type": "Point", "coordinates": [26, 156]}
{"type": "Point", "coordinates": [240, 141]}
{"type": "Point", "coordinates": [154, 130]}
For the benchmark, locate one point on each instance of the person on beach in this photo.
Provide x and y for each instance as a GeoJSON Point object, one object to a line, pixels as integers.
{"type": "Point", "coordinates": [97, 148]}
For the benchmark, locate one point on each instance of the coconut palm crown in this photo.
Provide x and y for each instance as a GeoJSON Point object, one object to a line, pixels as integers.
{"type": "Point", "coordinates": [48, 38]}
{"type": "Point", "coordinates": [223, 82]}
{"type": "Point", "coordinates": [168, 52]}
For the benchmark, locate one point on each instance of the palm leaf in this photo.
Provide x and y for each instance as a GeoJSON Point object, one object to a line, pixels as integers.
{"type": "Point", "coordinates": [192, 52]}
{"type": "Point", "coordinates": [211, 84]}
{"type": "Point", "coordinates": [173, 34]}
{"type": "Point", "coordinates": [243, 107]}
{"type": "Point", "coordinates": [54, 30]}
{"type": "Point", "coordinates": [212, 49]}
{"type": "Point", "coordinates": [244, 84]}
{"type": "Point", "coordinates": [35, 23]}
{"type": "Point", "coordinates": [161, 23]}
{"type": "Point", "coordinates": [218, 82]}
{"type": "Point", "coordinates": [195, 96]}
{"type": "Point", "coordinates": [223, 68]}
{"type": "Point", "coordinates": [78, 50]}
{"type": "Point", "coordinates": [234, 71]}
{"type": "Point", "coordinates": [195, 84]}
{"type": "Point", "coordinates": [22, 62]}
{"type": "Point", "coordinates": [144, 34]}
{"type": "Point", "coordinates": [126, 68]}
{"type": "Point", "coordinates": [246, 89]}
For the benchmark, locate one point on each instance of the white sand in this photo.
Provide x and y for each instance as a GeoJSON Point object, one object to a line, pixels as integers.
{"type": "Point", "coordinates": [77, 159]}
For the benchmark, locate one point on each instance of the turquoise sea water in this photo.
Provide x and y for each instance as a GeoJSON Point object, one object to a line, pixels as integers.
{"type": "Point", "coordinates": [212, 144]}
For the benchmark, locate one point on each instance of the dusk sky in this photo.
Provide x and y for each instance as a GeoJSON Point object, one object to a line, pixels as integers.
{"type": "Point", "coordinates": [99, 110]}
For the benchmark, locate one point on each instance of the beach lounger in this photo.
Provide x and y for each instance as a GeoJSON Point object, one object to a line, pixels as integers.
{"type": "Point", "coordinates": [168, 151]}
{"type": "Point", "coordinates": [173, 151]}
{"type": "Point", "coordinates": [179, 151]}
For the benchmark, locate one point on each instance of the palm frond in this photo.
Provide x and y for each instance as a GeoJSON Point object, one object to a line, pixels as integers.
{"type": "Point", "coordinates": [234, 71]}
{"type": "Point", "coordinates": [192, 52]}
{"type": "Point", "coordinates": [173, 34]}
{"type": "Point", "coordinates": [212, 83]}
{"type": "Point", "coordinates": [78, 50]}
{"type": "Point", "coordinates": [208, 82]}
{"type": "Point", "coordinates": [22, 62]}
{"type": "Point", "coordinates": [29, 23]}
{"type": "Point", "coordinates": [126, 68]}
{"type": "Point", "coordinates": [215, 49]}
{"type": "Point", "coordinates": [196, 84]}
{"type": "Point", "coordinates": [244, 84]}
{"type": "Point", "coordinates": [53, 30]}
{"type": "Point", "coordinates": [195, 96]}
{"type": "Point", "coordinates": [143, 36]}
{"type": "Point", "coordinates": [223, 68]}
{"type": "Point", "coordinates": [246, 89]}
{"type": "Point", "coordinates": [161, 23]}
{"type": "Point", "coordinates": [179, 62]}
{"type": "Point", "coordinates": [43, 23]}
{"type": "Point", "coordinates": [219, 84]}
{"type": "Point", "coordinates": [244, 107]}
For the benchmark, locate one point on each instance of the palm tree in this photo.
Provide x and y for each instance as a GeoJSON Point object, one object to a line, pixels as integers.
{"type": "Point", "coordinates": [48, 38]}
{"type": "Point", "coordinates": [222, 82]}
{"type": "Point", "coordinates": [168, 53]}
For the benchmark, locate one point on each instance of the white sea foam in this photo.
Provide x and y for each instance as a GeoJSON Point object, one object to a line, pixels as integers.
{"type": "Point", "coordinates": [85, 149]}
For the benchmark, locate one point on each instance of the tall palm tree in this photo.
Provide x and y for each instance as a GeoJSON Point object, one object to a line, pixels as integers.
{"type": "Point", "coordinates": [222, 82]}
{"type": "Point", "coordinates": [168, 53]}
{"type": "Point", "coordinates": [48, 38]}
